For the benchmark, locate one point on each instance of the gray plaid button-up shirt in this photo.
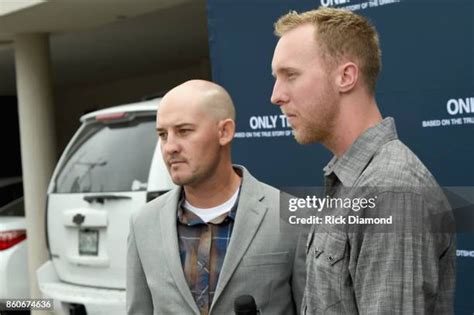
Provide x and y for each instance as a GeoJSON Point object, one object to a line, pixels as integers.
{"type": "Point", "coordinates": [405, 268]}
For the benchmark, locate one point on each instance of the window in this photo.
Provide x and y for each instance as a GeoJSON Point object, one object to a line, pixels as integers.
{"type": "Point", "coordinates": [109, 157]}
{"type": "Point", "coordinates": [16, 208]}
{"type": "Point", "coordinates": [10, 189]}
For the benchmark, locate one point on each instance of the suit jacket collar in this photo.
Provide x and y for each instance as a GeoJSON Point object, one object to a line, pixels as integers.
{"type": "Point", "coordinates": [169, 235]}
{"type": "Point", "coordinates": [250, 213]}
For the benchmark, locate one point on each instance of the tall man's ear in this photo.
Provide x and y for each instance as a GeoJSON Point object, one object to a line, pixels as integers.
{"type": "Point", "coordinates": [348, 75]}
{"type": "Point", "coordinates": [226, 131]}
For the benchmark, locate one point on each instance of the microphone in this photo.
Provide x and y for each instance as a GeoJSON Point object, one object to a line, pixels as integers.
{"type": "Point", "coordinates": [245, 305]}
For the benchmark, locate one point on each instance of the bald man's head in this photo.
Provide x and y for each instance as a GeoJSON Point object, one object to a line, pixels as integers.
{"type": "Point", "coordinates": [210, 97]}
{"type": "Point", "coordinates": [195, 123]}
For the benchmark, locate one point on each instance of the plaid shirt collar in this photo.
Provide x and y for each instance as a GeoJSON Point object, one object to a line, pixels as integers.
{"type": "Point", "coordinates": [352, 163]}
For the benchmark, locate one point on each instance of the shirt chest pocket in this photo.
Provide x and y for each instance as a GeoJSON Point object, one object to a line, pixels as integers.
{"type": "Point", "coordinates": [326, 269]}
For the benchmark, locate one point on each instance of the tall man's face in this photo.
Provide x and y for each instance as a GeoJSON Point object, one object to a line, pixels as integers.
{"type": "Point", "coordinates": [189, 140]}
{"type": "Point", "coordinates": [304, 86]}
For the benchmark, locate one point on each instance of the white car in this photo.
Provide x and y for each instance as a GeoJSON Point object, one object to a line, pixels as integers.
{"type": "Point", "coordinates": [111, 167]}
{"type": "Point", "coordinates": [14, 281]}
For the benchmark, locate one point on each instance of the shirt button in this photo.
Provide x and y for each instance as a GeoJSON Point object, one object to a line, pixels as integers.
{"type": "Point", "coordinates": [330, 258]}
{"type": "Point", "coordinates": [317, 252]}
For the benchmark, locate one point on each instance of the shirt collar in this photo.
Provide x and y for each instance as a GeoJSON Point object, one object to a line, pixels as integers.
{"type": "Point", "coordinates": [350, 165]}
{"type": "Point", "coordinates": [189, 218]}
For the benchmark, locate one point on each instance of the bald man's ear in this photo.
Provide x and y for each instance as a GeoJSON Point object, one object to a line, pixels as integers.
{"type": "Point", "coordinates": [348, 74]}
{"type": "Point", "coordinates": [226, 131]}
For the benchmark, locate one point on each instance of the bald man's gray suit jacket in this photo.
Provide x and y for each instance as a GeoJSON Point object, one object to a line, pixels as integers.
{"type": "Point", "coordinates": [262, 260]}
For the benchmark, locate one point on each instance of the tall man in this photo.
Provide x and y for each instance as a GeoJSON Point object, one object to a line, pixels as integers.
{"type": "Point", "coordinates": [197, 248]}
{"type": "Point", "coordinates": [325, 66]}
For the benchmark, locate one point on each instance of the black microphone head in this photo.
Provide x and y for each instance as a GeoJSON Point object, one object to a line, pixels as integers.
{"type": "Point", "coordinates": [245, 305]}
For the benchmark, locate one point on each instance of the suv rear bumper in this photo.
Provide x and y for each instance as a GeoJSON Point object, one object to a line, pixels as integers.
{"type": "Point", "coordinates": [96, 300]}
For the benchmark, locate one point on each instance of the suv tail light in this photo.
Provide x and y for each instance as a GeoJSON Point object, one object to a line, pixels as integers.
{"type": "Point", "coordinates": [11, 238]}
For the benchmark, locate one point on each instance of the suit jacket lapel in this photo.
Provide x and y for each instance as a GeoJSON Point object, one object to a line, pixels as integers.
{"type": "Point", "coordinates": [169, 235]}
{"type": "Point", "coordinates": [250, 213]}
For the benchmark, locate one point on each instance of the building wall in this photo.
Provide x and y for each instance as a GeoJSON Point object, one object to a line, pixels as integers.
{"type": "Point", "coordinates": [72, 102]}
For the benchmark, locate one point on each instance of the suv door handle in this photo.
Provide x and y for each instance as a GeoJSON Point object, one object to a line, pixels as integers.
{"type": "Point", "coordinates": [102, 198]}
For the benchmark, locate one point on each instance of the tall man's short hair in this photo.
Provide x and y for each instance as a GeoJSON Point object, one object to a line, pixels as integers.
{"type": "Point", "coordinates": [340, 34]}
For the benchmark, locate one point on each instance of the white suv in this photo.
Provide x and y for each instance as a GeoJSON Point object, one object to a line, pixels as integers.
{"type": "Point", "coordinates": [110, 168]}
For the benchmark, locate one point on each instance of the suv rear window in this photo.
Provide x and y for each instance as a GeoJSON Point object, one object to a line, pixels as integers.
{"type": "Point", "coordinates": [109, 157]}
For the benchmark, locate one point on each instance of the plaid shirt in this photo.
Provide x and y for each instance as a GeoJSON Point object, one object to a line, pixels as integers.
{"type": "Point", "coordinates": [406, 271]}
{"type": "Point", "coordinates": [202, 248]}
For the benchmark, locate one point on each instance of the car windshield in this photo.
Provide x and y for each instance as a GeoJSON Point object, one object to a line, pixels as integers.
{"type": "Point", "coordinates": [109, 157]}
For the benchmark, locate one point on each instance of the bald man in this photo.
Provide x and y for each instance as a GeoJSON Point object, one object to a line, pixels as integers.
{"type": "Point", "coordinates": [217, 236]}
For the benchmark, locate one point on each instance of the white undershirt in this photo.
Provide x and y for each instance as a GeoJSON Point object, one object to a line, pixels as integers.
{"type": "Point", "coordinates": [209, 214]}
